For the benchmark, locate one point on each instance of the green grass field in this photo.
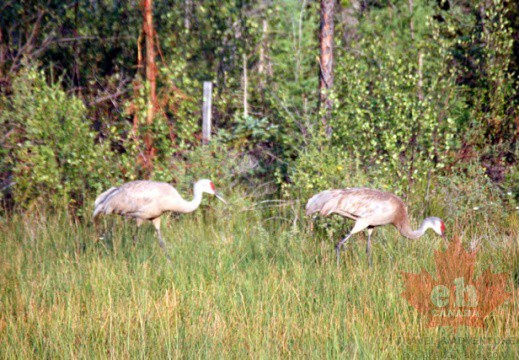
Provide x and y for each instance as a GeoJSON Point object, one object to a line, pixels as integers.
{"type": "Point", "coordinates": [241, 284]}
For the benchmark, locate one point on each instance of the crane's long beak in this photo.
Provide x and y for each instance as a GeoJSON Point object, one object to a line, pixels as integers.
{"type": "Point", "coordinates": [219, 196]}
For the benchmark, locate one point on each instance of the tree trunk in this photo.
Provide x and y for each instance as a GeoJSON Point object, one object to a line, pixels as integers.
{"type": "Point", "coordinates": [411, 23]}
{"type": "Point", "coordinates": [262, 63]}
{"type": "Point", "coordinates": [245, 88]}
{"type": "Point", "coordinates": [76, 72]}
{"type": "Point", "coordinates": [326, 62]}
{"type": "Point", "coordinates": [187, 15]}
{"type": "Point", "coordinates": [151, 78]}
{"type": "Point", "coordinates": [3, 52]}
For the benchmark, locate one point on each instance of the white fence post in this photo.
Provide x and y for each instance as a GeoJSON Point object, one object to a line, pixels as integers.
{"type": "Point", "coordinates": [207, 112]}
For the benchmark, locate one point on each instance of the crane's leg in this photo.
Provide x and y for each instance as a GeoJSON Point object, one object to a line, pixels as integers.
{"type": "Point", "coordinates": [339, 245]}
{"type": "Point", "coordinates": [136, 231]}
{"type": "Point", "coordinates": [156, 224]}
{"type": "Point", "coordinates": [134, 235]}
{"type": "Point", "coordinates": [368, 246]}
{"type": "Point", "coordinates": [359, 226]}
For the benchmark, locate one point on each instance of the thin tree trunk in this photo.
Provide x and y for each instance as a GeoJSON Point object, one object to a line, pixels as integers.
{"type": "Point", "coordinates": [76, 73]}
{"type": "Point", "coordinates": [136, 87]}
{"type": "Point", "coordinates": [411, 24]}
{"type": "Point", "coordinates": [188, 5]}
{"type": "Point", "coordinates": [420, 55]}
{"type": "Point", "coordinates": [326, 62]}
{"type": "Point", "coordinates": [262, 65]}
{"type": "Point", "coordinates": [3, 50]}
{"type": "Point", "coordinates": [298, 39]}
{"type": "Point", "coordinates": [420, 75]}
{"type": "Point", "coordinates": [419, 90]}
{"type": "Point", "coordinates": [151, 77]}
{"type": "Point", "coordinates": [245, 87]}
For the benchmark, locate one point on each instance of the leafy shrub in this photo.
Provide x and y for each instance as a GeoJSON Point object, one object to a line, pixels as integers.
{"type": "Point", "coordinates": [51, 153]}
{"type": "Point", "coordinates": [227, 168]}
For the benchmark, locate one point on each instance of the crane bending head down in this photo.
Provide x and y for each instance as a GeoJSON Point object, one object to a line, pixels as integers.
{"type": "Point", "coordinates": [369, 208]}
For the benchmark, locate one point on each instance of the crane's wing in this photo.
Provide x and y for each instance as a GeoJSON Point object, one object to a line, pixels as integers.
{"type": "Point", "coordinates": [102, 200]}
{"type": "Point", "coordinates": [324, 202]}
{"type": "Point", "coordinates": [136, 199]}
{"type": "Point", "coordinates": [353, 203]}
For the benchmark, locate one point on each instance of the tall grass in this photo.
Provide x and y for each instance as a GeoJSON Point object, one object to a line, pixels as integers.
{"type": "Point", "coordinates": [243, 283]}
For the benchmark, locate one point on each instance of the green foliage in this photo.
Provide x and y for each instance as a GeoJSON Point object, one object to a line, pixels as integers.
{"type": "Point", "coordinates": [399, 118]}
{"type": "Point", "coordinates": [320, 166]}
{"type": "Point", "coordinates": [227, 168]}
{"type": "Point", "coordinates": [394, 120]}
{"type": "Point", "coordinates": [53, 158]}
{"type": "Point", "coordinates": [291, 94]}
{"type": "Point", "coordinates": [403, 122]}
{"type": "Point", "coordinates": [480, 45]}
{"type": "Point", "coordinates": [259, 141]}
{"type": "Point", "coordinates": [180, 107]}
{"type": "Point", "coordinates": [293, 50]}
{"type": "Point", "coordinates": [249, 131]}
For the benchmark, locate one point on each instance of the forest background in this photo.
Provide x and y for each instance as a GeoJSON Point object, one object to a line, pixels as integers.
{"type": "Point", "coordinates": [424, 99]}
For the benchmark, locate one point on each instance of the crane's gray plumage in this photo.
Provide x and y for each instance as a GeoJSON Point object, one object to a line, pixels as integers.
{"type": "Point", "coordinates": [369, 208]}
{"type": "Point", "coordinates": [148, 200]}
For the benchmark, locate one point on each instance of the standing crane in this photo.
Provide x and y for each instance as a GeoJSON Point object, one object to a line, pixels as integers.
{"type": "Point", "coordinates": [369, 208]}
{"type": "Point", "coordinates": [148, 200]}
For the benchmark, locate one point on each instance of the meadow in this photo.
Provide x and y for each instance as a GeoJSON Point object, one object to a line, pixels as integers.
{"type": "Point", "coordinates": [245, 282]}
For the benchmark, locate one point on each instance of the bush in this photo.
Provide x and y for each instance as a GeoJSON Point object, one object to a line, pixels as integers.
{"type": "Point", "coordinates": [51, 155]}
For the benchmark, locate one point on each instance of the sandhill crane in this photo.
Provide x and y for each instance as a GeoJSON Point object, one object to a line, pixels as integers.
{"type": "Point", "coordinates": [148, 200]}
{"type": "Point", "coordinates": [369, 208]}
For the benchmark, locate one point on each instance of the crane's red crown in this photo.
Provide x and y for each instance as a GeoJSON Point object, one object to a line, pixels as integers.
{"type": "Point", "coordinates": [443, 228]}
{"type": "Point", "coordinates": [212, 186]}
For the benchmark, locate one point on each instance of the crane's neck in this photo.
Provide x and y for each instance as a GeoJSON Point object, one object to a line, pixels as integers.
{"type": "Point", "coordinates": [405, 229]}
{"type": "Point", "coordinates": [195, 203]}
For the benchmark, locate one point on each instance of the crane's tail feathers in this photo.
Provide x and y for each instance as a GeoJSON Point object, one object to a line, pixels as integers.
{"type": "Point", "coordinates": [104, 196]}
{"type": "Point", "coordinates": [325, 202]}
{"type": "Point", "coordinates": [101, 200]}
